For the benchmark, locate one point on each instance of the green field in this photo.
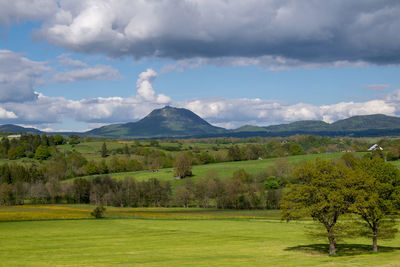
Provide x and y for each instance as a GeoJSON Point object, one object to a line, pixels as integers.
{"type": "Point", "coordinates": [234, 239]}
{"type": "Point", "coordinates": [225, 169]}
{"type": "Point", "coordinates": [396, 163]}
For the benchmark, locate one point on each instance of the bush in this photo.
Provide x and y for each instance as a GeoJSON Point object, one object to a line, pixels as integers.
{"type": "Point", "coordinates": [98, 212]}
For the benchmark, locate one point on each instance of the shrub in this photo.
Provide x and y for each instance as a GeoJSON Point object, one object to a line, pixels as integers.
{"type": "Point", "coordinates": [98, 212]}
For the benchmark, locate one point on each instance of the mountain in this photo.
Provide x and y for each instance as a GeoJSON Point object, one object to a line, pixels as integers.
{"type": "Point", "coordinates": [302, 126]}
{"type": "Point", "coordinates": [357, 126]}
{"type": "Point", "coordinates": [367, 122]}
{"type": "Point", "coordinates": [250, 128]}
{"type": "Point", "coordinates": [18, 129]}
{"type": "Point", "coordinates": [170, 122]}
{"type": "Point", "coordinates": [161, 123]}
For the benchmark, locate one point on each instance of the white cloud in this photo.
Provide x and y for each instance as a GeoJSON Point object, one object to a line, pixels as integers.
{"type": "Point", "coordinates": [348, 109]}
{"type": "Point", "coordinates": [19, 76]}
{"type": "Point", "coordinates": [145, 89]}
{"type": "Point", "coordinates": [47, 110]}
{"type": "Point", "coordinates": [377, 87]}
{"type": "Point", "coordinates": [4, 114]}
{"type": "Point", "coordinates": [65, 60]}
{"type": "Point", "coordinates": [97, 72]}
{"type": "Point", "coordinates": [237, 112]}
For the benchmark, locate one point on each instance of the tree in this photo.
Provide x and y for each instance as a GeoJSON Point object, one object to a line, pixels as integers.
{"type": "Point", "coordinates": [16, 152]}
{"type": "Point", "coordinates": [183, 165]}
{"type": "Point", "coordinates": [81, 189]}
{"type": "Point", "coordinates": [234, 153]}
{"type": "Point", "coordinates": [7, 196]}
{"type": "Point", "coordinates": [377, 192]}
{"type": "Point", "coordinates": [320, 194]}
{"type": "Point", "coordinates": [91, 168]}
{"type": "Point", "coordinates": [126, 150]}
{"type": "Point", "coordinates": [296, 149]}
{"type": "Point", "coordinates": [183, 196]}
{"type": "Point", "coordinates": [42, 152]}
{"type": "Point", "coordinates": [58, 139]}
{"type": "Point", "coordinates": [243, 176]}
{"type": "Point", "coordinates": [104, 150]}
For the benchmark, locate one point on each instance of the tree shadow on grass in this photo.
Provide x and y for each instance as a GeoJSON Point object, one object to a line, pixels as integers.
{"type": "Point", "coordinates": [341, 249]}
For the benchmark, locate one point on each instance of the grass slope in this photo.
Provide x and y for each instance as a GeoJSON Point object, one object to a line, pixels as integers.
{"type": "Point", "coordinates": [225, 169]}
{"type": "Point", "coordinates": [177, 242]}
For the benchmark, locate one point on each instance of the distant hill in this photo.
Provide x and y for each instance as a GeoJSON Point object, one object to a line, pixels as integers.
{"type": "Point", "coordinates": [250, 128]}
{"type": "Point", "coordinates": [367, 122]}
{"type": "Point", "coordinates": [170, 122]}
{"type": "Point", "coordinates": [357, 126]}
{"type": "Point", "coordinates": [308, 126]}
{"type": "Point", "coordinates": [161, 123]}
{"type": "Point", "coordinates": [18, 129]}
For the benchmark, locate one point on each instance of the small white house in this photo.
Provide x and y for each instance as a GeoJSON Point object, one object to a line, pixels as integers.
{"type": "Point", "coordinates": [14, 136]}
{"type": "Point", "coordinates": [375, 147]}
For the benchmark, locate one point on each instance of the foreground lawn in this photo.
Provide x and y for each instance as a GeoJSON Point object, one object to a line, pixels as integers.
{"type": "Point", "coordinates": [230, 241]}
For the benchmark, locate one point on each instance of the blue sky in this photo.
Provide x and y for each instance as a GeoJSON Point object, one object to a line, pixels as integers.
{"type": "Point", "coordinates": [77, 65]}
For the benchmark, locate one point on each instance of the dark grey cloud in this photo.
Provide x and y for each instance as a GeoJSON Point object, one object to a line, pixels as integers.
{"type": "Point", "coordinates": [300, 31]}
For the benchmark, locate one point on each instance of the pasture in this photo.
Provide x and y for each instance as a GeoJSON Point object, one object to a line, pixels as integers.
{"type": "Point", "coordinates": [224, 169]}
{"type": "Point", "coordinates": [237, 238]}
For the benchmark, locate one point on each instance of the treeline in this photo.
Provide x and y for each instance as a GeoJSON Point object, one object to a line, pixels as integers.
{"type": "Point", "coordinates": [98, 191]}
{"type": "Point", "coordinates": [128, 192]}
{"type": "Point", "coordinates": [31, 146]}
{"type": "Point", "coordinates": [242, 191]}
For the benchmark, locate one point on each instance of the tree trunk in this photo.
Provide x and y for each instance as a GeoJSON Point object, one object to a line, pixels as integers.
{"type": "Point", "coordinates": [375, 242]}
{"type": "Point", "coordinates": [332, 249]}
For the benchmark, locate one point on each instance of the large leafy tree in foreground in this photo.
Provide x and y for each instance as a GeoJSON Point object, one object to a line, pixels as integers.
{"type": "Point", "coordinates": [376, 196]}
{"type": "Point", "coordinates": [322, 193]}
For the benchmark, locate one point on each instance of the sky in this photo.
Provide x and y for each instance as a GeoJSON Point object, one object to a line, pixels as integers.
{"type": "Point", "coordinates": [79, 64]}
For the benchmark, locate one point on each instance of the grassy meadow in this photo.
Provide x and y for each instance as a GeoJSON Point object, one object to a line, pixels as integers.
{"type": "Point", "coordinates": [177, 237]}
{"type": "Point", "coordinates": [224, 169]}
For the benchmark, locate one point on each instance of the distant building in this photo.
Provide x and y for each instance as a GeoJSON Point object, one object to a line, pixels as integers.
{"type": "Point", "coordinates": [348, 151]}
{"type": "Point", "coordinates": [375, 147]}
{"type": "Point", "coordinates": [14, 136]}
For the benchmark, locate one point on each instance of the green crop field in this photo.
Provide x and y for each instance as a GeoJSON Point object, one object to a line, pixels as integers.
{"type": "Point", "coordinates": [225, 169]}
{"type": "Point", "coordinates": [396, 163]}
{"type": "Point", "coordinates": [237, 238]}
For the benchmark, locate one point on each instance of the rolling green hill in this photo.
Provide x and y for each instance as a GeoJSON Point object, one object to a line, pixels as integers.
{"type": "Point", "coordinates": [311, 126]}
{"type": "Point", "coordinates": [357, 126]}
{"type": "Point", "coordinates": [367, 122]}
{"type": "Point", "coordinates": [18, 129]}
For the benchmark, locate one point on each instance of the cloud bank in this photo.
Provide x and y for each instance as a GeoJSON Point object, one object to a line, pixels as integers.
{"type": "Point", "coordinates": [231, 113]}
{"type": "Point", "coordinates": [273, 32]}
